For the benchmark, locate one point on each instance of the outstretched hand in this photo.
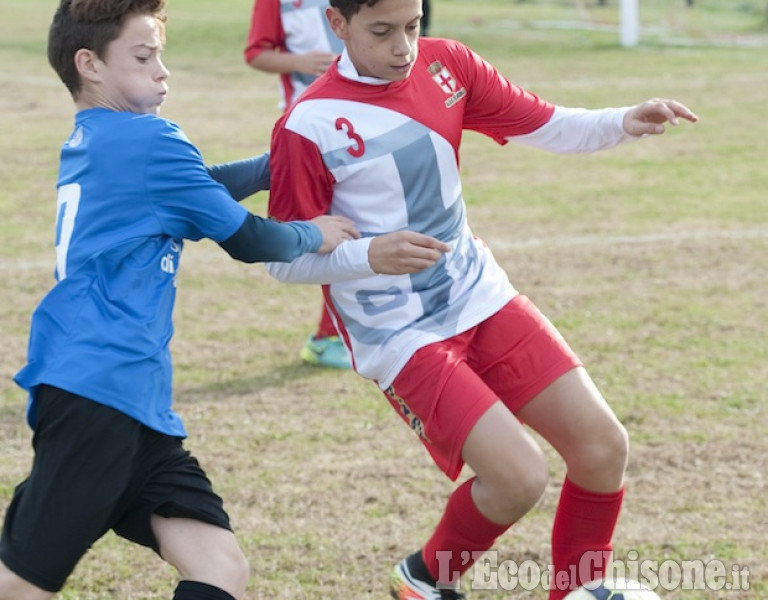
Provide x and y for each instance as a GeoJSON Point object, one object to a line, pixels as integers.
{"type": "Point", "coordinates": [334, 230]}
{"type": "Point", "coordinates": [404, 252]}
{"type": "Point", "coordinates": [649, 117]}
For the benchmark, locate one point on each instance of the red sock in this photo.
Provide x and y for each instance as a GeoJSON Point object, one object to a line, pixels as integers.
{"type": "Point", "coordinates": [462, 535]}
{"type": "Point", "coordinates": [325, 328]}
{"type": "Point", "coordinates": [581, 536]}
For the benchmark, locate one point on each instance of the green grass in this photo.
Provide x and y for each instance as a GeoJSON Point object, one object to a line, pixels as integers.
{"type": "Point", "coordinates": [650, 259]}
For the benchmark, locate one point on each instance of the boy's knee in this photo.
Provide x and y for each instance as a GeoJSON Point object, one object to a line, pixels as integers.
{"type": "Point", "coordinates": [224, 567]}
{"type": "Point", "coordinates": [615, 450]}
{"type": "Point", "coordinates": [243, 571]}
{"type": "Point", "coordinates": [532, 485]}
{"type": "Point", "coordinates": [203, 552]}
{"type": "Point", "coordinates": [519, 490]}
{"type": "Point", "coordinates": [605, 455]}
{"type": "Point", "coordinates": [229, 571]}
{"type": "Point", "coordinates": [235, 566]}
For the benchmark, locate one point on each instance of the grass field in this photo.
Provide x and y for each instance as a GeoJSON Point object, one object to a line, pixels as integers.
{"type": "Point", "coordinates": [650, 258]}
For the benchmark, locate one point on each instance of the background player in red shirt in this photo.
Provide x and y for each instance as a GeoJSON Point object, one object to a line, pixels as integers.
{"type": "Point", "coordinates": [294, 39]}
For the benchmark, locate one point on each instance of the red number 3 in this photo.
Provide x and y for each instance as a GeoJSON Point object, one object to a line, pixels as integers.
{"type": "Point", "coordinates": [358, 149]}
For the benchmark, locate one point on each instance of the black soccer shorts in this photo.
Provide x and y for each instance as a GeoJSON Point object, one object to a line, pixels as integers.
{"type": "Point", "coordinates": [96, 469]}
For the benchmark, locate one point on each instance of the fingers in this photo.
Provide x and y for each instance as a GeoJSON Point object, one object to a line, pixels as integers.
{"type": "Point", "coordinates": [403, 265]}
{"type": "Point", "coordinates": [680, 110]}
{"type": "Point", "coordinates": [334, 230]}
{"type": "Point", "coordinates": [418, 258]}
{"type": "Point", "coordinates": [320, 61]}
{"type": "Point", "coordinates": [348, 231]}
{"type": "Point", "coordinates": [662, 113]}
{"type": "Point", "coordinates": [669, 111]}
{"type": "Point", "coordinates": [404, 252]}
{"type": "Point", "coordinates": [337, 226]}
{"type": "Point", "coordinates": [425, 241]}
{"type": "Point", "coordinates": [662, 110]}
{"type": "Point", "coordinates": [649, 117]}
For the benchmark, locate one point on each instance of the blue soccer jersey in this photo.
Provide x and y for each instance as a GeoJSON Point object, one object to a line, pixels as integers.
{"type": "Point", "coordinates": [131, 187]}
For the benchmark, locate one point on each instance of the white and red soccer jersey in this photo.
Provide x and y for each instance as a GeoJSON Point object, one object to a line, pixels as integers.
{"type": "Point", "coordinates": [386, 156]}
{"type": "Point", "coordinates": [295, 26]}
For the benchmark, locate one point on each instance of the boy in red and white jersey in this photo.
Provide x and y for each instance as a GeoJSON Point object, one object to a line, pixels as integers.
{"type": "Point", "coordinates": [462, 357]}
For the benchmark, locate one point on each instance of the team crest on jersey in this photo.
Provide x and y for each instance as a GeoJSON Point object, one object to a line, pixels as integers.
{"type": "Point", "coordinates": [76, 138]}
{"type": "Point", "coordinates": [447, 82]}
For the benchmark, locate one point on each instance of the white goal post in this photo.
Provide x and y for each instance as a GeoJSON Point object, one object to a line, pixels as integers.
{"type": "Point", "coordinates": [629, 22]}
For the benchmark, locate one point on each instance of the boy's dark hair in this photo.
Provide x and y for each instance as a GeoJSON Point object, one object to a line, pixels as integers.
{"type": "Point", "coordinates": [350, 7]}
{"type": "Point", "coordinates": [90, 24]}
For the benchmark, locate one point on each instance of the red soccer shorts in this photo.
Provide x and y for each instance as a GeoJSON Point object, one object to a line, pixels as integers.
{"type": "Point", "coordinates": [447, 386]}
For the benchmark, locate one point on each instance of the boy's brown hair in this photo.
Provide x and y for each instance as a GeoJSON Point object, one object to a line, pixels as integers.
{"type": "Point", "coordinates": [350, 7]}
{"type": "Point", "coordinates": [93, 25]}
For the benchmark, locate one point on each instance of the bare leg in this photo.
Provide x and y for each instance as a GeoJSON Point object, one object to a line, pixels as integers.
{"type": "Point", "coordinates": [13, 587]}
{"type": "Point", "coordinates": [572, 415]}
{"type": "Point", "coordinates": [510, 467]}
{"type": "Point", "coordinates": [202, 552]}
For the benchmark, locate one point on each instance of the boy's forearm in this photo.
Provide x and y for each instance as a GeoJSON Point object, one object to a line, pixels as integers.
{"type": "Point", "coordinates": [274, 61]}
{"type": "Point", "coordinates": [578, 130]}
{"type": "Point", "coordinates": [265, 240]}
{"type": "Point", "coordinates": [348, 261]}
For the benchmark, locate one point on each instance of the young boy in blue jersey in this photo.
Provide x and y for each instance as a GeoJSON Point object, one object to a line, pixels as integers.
{"type": "Point", "coordinates": [108, 445]}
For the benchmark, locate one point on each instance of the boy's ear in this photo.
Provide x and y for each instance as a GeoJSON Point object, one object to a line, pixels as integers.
{"type": "Point", "coordinates": [338, 23]}
{"type": "Point", "coordinates": [85, 63]}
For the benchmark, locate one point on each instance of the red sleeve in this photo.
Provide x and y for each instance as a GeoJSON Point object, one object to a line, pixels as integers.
{"type": "Point", "coordinates": [266, 31]}
{"type": "Point", "coordinates": [497, 107]}
{"type": "Point", "coordinates": [301, 187]}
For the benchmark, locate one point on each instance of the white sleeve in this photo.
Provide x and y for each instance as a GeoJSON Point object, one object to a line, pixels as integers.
{"type": "Point", "coordinates": [348, 261]}
{"type": "Point", "coordinates": [579, 130]}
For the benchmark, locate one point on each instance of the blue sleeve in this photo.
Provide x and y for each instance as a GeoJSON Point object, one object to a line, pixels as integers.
{"type": "Point", "coordinates": [265, 240]}
{"type": "Point", "coordinates": [186, 200]}
{"type": "Point", "coordinates": [190, 204]}
{"type": "Point", "coordinates": [243, 178]}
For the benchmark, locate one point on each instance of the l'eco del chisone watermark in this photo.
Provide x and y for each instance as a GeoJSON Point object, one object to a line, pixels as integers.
{"type": "Point", "coordinates": [491, 572]}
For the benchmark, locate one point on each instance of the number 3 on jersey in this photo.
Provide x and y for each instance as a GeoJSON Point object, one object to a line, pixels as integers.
{"type": "Point", "coordinates": [358, 149]}
{"type": "Point", "coordinates": [67, 205]}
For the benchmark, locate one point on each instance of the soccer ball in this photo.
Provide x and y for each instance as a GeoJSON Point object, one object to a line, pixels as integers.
{"type": "Point", "coordinates": [613, 589]}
